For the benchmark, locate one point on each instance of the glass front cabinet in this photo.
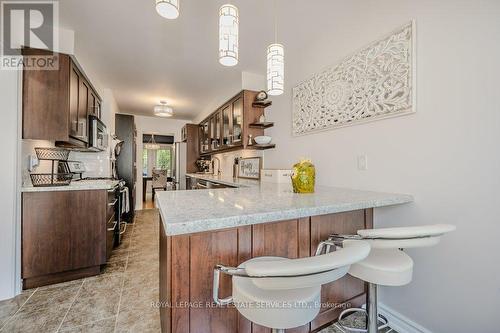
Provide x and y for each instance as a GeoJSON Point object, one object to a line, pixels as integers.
{"type": "Point", "coordinates": [204, 137]}
{"type": "Point", "coordinates": [237, 122]}
{"type": "Point", "coordinates": [231, 125]}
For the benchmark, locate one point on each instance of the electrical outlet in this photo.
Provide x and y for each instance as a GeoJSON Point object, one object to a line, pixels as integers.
{"type": "Point", "coordinates": [362, 162]}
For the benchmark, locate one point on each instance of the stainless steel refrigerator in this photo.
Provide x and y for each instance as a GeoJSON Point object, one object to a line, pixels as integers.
{"type": "Point", "coordinates": [179, 165]}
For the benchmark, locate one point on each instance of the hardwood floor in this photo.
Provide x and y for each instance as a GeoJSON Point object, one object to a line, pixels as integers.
{"type": "Point", "coordinates": [149, 203]}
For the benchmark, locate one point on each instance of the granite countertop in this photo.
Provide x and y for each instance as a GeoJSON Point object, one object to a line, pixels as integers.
{"type": "Point", "coordinates": [225, 180]}
{"type": "Point", "coordinates": [77, 185]}
{"type": "Point", "coordinates": [185, 212]}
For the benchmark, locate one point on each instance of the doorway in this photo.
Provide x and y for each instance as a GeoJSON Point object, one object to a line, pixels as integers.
{"type": "Point", "coordinates": [157, 156]}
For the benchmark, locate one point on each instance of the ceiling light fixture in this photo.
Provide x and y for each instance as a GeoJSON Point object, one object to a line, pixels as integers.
{"type": "Point", "coordinates": [151, 144]}
{"type": "Point", "coordinates": [163, 110]}
{"type": "Point", "coordinates": [228, 35]}
{"type": "Point", "coordinates": [275, 63]}
{"type": "Point", "coordinates": [168, 8]}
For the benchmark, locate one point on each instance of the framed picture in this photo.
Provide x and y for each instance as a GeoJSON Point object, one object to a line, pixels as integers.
{"type": "Point", "coordinates": [249, 167]}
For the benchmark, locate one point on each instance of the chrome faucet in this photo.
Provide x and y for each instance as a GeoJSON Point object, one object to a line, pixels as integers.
{"type": "Point", "coordinates": [218, 166]}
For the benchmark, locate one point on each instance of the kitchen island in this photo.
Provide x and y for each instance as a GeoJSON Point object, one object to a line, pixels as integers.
{"type": "Point", "coordinates": [202, 228]}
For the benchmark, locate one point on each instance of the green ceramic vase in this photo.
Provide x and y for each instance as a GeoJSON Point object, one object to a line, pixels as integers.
{"type": "Point", "coordinates": [303, 177]}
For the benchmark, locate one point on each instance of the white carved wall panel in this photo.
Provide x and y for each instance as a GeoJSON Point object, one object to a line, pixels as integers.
{"type": "Point", "coordinates": [374, 83]}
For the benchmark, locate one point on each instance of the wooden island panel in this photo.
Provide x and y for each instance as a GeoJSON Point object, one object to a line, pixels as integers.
{"type": "Point", "coordinates": [187, 262]}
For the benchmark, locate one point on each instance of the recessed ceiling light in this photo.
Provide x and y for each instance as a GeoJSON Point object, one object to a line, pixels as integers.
{"type": "Point", "coordinates": [163, 110]}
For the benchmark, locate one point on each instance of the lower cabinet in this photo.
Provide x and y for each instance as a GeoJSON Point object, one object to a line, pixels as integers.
{"type": "Point", "coordinates": [187, 262]}
{"type": "Point", "coordinates": [63, 235]}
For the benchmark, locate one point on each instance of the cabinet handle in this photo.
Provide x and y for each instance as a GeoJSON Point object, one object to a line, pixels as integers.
{"type": "Point", "coordinates": [124, 224]}
{"type": "Point", "coordinates": [114, 226]}
{"type": "Point", "coordinates": [113, 189]}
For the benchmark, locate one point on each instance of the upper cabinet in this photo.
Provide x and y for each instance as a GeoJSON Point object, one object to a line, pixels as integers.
{"type": "Point", "coordinates": [236, 123]}
{"type": "Point", "coordinates": [204, 137]}
{"type": "Point", "coordinates": [229, 128]}
{"type": "Point", "coordinates": [57, 103]}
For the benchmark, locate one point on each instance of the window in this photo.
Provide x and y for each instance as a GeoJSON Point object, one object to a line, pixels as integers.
{"type": "Point", "coordinates": [157, 159]}
{"type": "Point", "coordinates": [163, 159]}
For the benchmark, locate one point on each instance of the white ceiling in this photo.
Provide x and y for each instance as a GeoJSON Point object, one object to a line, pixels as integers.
{"type": "Point", "coordinates": [143, 57]}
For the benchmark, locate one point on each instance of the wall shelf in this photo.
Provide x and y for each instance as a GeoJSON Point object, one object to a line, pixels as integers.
{"type": "Point", "coordinates": [262, 105]}
{"type": "Point", "coordinates": [262, 147]}
{"type": "Point", "coordinates": [266, 124]}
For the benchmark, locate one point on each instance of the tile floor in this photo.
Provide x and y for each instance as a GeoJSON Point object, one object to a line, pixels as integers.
{"type": "Point", "coordinates": [119, 300]}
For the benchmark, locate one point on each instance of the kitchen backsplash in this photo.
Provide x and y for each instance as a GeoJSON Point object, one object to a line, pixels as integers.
{"type": "Point", "coordinates": [96, 164]}
{"type": "Point", "coordinates": [227, 159]}
{"type": "Point", "coordinates": [27, 149]}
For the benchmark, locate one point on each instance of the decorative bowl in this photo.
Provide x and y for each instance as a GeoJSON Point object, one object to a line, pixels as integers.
{"type": "Point", "coordinates": [263, 139]}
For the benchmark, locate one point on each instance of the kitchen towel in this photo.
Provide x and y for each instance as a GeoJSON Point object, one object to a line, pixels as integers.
{"type": "Point", "coordinates": [125, 200]}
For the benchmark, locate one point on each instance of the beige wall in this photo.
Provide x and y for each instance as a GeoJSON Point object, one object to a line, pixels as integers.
{"type": "Point", "coordinates": [446, 154]}
{"type": "Point", "coordinates": [10, 182]}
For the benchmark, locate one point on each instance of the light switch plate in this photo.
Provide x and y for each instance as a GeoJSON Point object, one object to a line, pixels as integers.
{"type": "Point", "coordinates": [32, 162]}
{"type": "Point", "coordinates": [362, 162]}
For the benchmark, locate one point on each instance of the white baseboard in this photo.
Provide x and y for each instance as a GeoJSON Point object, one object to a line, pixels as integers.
{"type": "Point", "coordinates": [399, 322]}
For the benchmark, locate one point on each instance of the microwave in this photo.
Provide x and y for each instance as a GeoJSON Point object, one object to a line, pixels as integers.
{"type": "Point", "coordinates": [98, 135]}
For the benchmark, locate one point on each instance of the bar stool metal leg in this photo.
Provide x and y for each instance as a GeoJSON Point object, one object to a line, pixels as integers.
{"type": "Point", "coordinates": [278, 330]}
{"type": "Point", "coordinates": [371, 312]}
{"type": "Point", "coordinates": [371, 306]}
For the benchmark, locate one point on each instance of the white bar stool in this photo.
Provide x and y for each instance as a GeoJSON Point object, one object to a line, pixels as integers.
{"type": "Point", "coordinates": [281, 293]}
{"type": "Point", "coordinates": [387, 264]}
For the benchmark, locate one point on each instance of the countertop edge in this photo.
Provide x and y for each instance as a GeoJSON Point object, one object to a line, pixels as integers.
{"type": "Point", "coordinates": [33, 189]}
{"type": "Point", "coordinates": [273, 216]}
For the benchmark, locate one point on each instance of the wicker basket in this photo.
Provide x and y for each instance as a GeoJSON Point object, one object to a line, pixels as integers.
{"type": "Point", "coordinates": [51, 179]}
{"type": "Point", "coordinates": [53, 154]}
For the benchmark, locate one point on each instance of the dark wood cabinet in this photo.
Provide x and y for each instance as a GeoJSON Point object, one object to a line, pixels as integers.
{"type": "Point", "coordinates": [190, 135]}
{"type": "Point", "coordinates": [187, 262]}
{"type": "Point", "coordinates": [74, 91]}
{"type": "Point", "coordinates": [229, 128]}
{"type": "Point", "coordinates": [94, 105]}
{"type": "Point", "coordinates": [45, 101]}
{"type": "Point", "coordinates": [56, 103]}
{"type": "Point", "coordinates": [83, 110]}
{"type": "Point", "coordinates": [63, 235]}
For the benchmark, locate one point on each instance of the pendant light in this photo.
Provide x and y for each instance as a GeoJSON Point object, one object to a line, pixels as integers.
{"type": "Point", "coordinates": [168, 8]}
{"type": "Point", "coordinates": [151, 144]}
{"type": "Point", "coordinates": [228, 35]}
{"type": "Point", "coordinates": [275, 63]}
{"type": "Point", "coordinates": [163, 110]}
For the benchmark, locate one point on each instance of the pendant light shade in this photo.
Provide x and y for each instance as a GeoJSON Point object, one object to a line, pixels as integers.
{"type": "Point", "coordinates": [168, 8]}
{"type": "Point", "coordinates": [275, 69]}
{"type": "Point", "coordinates": [163, 110]}
{"type": "Point", "coordinates": [228, 35]}
{"type": "Point", "coordinates": [152, 145]}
